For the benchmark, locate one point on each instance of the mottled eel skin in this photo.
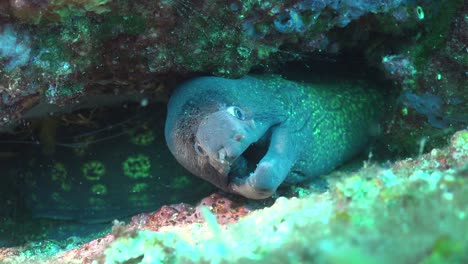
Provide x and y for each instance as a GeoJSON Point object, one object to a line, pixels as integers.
{"type": "Point", "coordinates": [248, 136]}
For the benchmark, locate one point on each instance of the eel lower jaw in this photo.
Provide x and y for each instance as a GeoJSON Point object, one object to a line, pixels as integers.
{"type": "Point", "coordinates": [244, 165]}
{"type": "Point", "coordinates": [222, 166]}
{"type": "Point", "coordinates": [249, 191]}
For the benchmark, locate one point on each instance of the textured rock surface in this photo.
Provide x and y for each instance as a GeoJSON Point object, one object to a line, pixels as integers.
{"type": "Point", "coordinates": [60, 52]}
{"type": "Point", "coordinates": [61, 55]}
{"type": "Point", "coordinates": [415, 207]}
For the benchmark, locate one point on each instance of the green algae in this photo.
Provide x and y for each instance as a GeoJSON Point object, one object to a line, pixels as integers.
{"type": "Point", "coordinates": [137, 166]}
{"type": "Point", "coordinates": [70, 8]}
{"type": "Point", "coordinates": [433, 38]}
{"type": "Point", "coordinates": [413, 209]}
{"type": "Point", "coordinates": [375, 215]}
{"type": "Point", "coordinates": [361, 190]}
{"type": "Point", "coordinates": [114, 25]}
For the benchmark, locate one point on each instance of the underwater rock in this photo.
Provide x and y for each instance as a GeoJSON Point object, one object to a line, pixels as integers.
{"type": "Point", "coordinates": [72, 50]}
{"type": "Point", "coordinates": [225, 209]}
{"type": "Point", "coordinates": [374, 214]}
{"type": "Point", "coordinates": [432, 74]}
{"type": "Point", "coordinates": [61, 55]}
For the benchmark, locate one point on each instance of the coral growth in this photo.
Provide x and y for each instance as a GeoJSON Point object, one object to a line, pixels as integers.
{"type": "Point", "coordinates": [82, 48]}
{"type": "Point", "coordinates": [60, 55]}
{"type": "Point", "coordinates": [225, 210]}
{"type": "Point", "coordinates": [431, 73]}
{"type": "Point", "coordinates": [417, 208]}
{"type": "Point", "coordinates": [14, 47]}
{"type": "Point", "coordinates": [399, 68]}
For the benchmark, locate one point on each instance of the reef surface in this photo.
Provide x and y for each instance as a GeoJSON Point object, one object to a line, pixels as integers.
{"type": "Point", "coordinates": [411, 211]}
{"type": "Point", "coordinates": [65, 63]}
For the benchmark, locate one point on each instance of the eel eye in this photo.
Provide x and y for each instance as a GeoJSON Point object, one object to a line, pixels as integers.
{"type": "Point", "coordinates": [199, 149]}
{"type": "Point", "coordinates": [236, 112]}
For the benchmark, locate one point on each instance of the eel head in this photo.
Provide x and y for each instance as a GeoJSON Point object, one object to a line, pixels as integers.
{"type": "Point", "coordinates": [231, 142]}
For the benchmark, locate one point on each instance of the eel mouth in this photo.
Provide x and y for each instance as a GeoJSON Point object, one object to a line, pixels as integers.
{"type": "Point", "coordinates": [247, 162]}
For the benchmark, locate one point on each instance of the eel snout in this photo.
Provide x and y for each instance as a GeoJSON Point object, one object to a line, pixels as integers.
{"type": "Point", "coordinates": [222, 163]}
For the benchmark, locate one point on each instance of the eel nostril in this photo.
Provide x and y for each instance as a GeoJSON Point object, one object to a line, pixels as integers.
{"type": "Point", "coordinates": [239, 137]}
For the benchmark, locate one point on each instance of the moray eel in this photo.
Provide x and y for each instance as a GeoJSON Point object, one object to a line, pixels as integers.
{"type": "Point", "coordinates": [248, 136]}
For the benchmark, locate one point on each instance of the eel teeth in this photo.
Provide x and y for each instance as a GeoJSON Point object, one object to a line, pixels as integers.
{"type": "Point", "coordinates": [222, 155]}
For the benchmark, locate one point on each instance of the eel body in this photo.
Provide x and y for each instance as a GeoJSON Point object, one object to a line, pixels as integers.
{"type": "Point", "coordinates": [249, 135]}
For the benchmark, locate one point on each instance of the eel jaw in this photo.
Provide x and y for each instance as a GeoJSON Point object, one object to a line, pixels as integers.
{"type": "Point", "coordinates": [245, 164]}
{"type": "Point", "coordinates": [221, 163]}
